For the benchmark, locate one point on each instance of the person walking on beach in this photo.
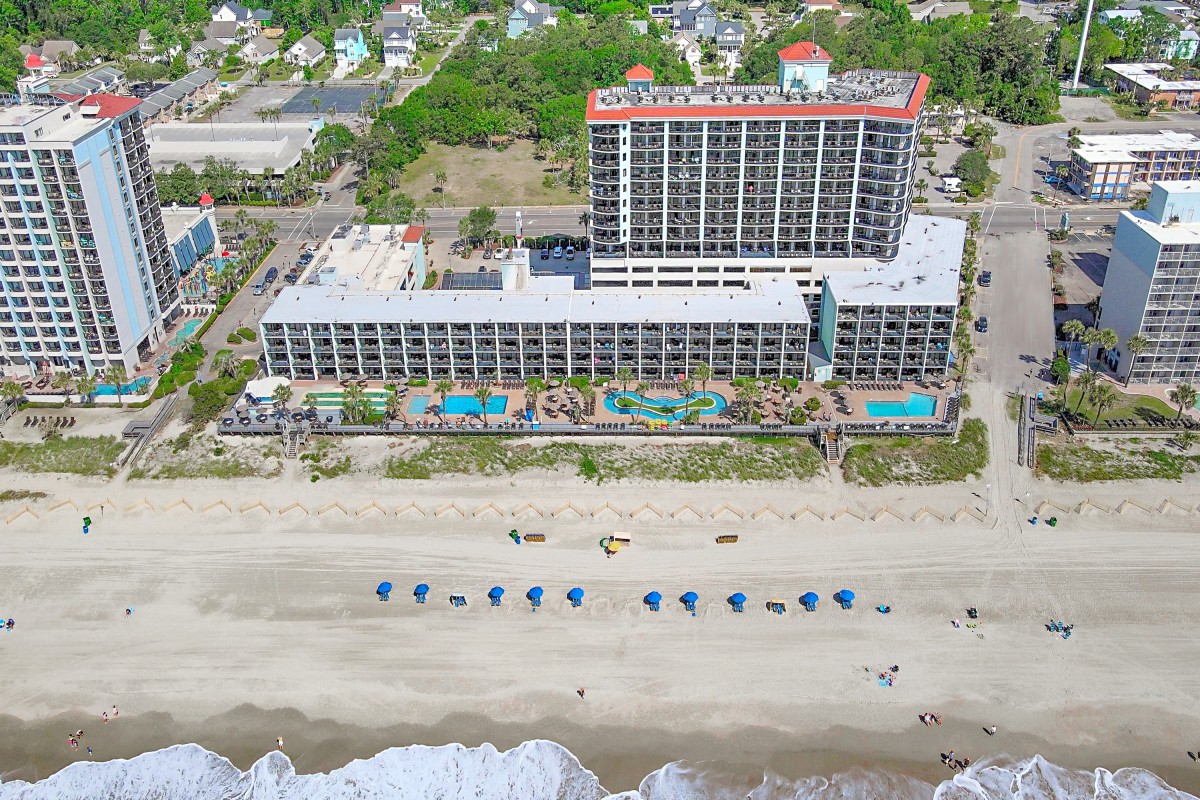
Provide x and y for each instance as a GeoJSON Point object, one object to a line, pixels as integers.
{"type": "Point", "coordinates": [115, 713]}
{"type": "Point", "coordinates": [992, 731]}
{"type": "Point", "coordinates": [279, 743]}
{"type": "Point", "coordinates": [581, 691]}
{"type": "Point", "coordinates": [104, 716]}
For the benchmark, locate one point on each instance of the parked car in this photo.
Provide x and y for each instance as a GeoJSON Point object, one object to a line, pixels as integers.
{"type": "Point", "coordinates": [985, 278]}
{"type": "Point", "coordinates": [570, 253]}
{"type": "Point", "coordinates": [487, 252]}
{"type": "Point", "coordinates": [259, 288]}
{"type": "Point", "coordinates": [981, 325]}
{"type": "Point", "coordinates": [545, 252]}
{"type": "Point", "coordinates": [558, 251]}
{"type": "Point", "coordinates": [271, 275]}
{"type": "Point", "coordinates": [291, 277]}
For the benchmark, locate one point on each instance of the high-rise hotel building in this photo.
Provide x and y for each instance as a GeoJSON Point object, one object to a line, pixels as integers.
{"type": "Point", "coordinates": [86, 280]}
{"type": "Point", "coordinates": [707, 186]}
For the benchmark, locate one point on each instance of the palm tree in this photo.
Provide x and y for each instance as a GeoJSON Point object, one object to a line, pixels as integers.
{"type": "Point", "coordinates": [588, 395]}
{"type": "Point", "coordinates": [355, 406]}
{"type": "Point", "coordinates": [241, 219]}
{"type": "Point", "coordinates": [86, 386]}
{"type": "Point", "coordinates": [117, 378]}
{"type": "Point", "coordinates": [1183, 396]}
{"type": "Point", "coordinates": [310, 402]}
{"type": "Point", "coordinates": [1062, 172]}
{"type": "Point", "coordinates": [1084, 384]}
{"type": "Point", "coordinates": [641, 390]}
{"type": "Point", "coordinates": [440, 178]}
{"type": "Point", "coordinates": [703, 373]}
{"type": "Point", "coordinates": [10, 391]}
{"type": "Point", "coordinates": [585, 219]}
{"type": "Point", "coordinates": [316, 104]}
{"type": "Point", "coordinates": [483, 394]}
{"type": "Point", "coordinates": [1103, 397]}
{"type": "Point", "coordinates": [687, 386]}
{"type": "Point", "coordinates": [533, 388]}
{"type": "Point", "coordinates": [625, 375]}
{"type": "Point", "coordinates": [226, 365]}
{"type": "Point", "coordinates": [443, 386]}
{"type": "Point", "coordinates": [281, 396]}
{"type": "Point", "coordinates": [63, 382]}
{"type": "Point", "coordinates": [1074, 329]}
{"type": "Point", "coordinates": [1136, 345]}
{"type": "Point", "coordinates": [392, 407]}
{"type": "Point", "coordinates": [921, 185]}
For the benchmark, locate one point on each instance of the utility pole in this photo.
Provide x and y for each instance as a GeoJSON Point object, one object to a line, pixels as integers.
{"type": "Point", "coordinates": [1087, 22]}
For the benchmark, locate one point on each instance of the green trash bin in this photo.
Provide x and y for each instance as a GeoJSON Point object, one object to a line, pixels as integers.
{"type": "Point", "coordinates": [1053, 521]}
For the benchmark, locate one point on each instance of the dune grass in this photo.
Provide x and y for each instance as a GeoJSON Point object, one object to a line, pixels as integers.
{"type": "Point", "coordinates": [919, 460]}
{"type": "Point", "coordinates": [75, 455]}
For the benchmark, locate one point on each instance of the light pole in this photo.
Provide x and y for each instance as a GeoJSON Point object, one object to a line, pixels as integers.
{"type": "Point", "coordinates": [1087, 22]}
{"type": "Point", "coordinates": [989, 501]}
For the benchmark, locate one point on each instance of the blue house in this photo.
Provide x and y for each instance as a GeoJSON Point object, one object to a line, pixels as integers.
{"type": "Point", "coordinates": [349, 48]}
{"type": "Point", "coordinates": [527, 14]}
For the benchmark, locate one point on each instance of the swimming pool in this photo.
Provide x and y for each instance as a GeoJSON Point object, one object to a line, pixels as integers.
{"type": "Point", "coordinates": [376, 397]}
{"type": "Point", "coordinates": [459, 404]}
{"type": "Point", "coordinates": [917, 405]}
{"type": "Point", "coordinates": [133, 387]}
{"type": "Point", "coordinates": [705, 403]}
{"type": "Point", "coordinates": [187, 330]}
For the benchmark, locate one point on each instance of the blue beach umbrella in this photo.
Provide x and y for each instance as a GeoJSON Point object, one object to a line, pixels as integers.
{"type": "Point", "coordinates": [737, 598]}
{"type": "Point", "coordinates": [690, 597]}
{"type": "Point", "coordinates": [654, 597]}
{"type": "Point", "coordinates": [809, 598]}
{"type": "Point", "coordinates": [422, 588]}
{"type": "Point", "coordinates": [497, 591]}
{"type": "Point", "coordinates": [534, 593]}
{"type": "Point", "coordinates": [575, 594]}
{"type": "Point", "coordinates": [846, 595]}
{"type": "Point", "coordinates": [383, 588]}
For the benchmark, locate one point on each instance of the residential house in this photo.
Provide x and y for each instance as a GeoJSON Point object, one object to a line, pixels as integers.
{"type": "Point", "coordinates": [148, 50]}
{"type": "Point", "coordinates": [399, 46]}
{"type": "Point", "coordinates": [102, 80]}
{"type": "Point", "coordinates": [832, 6]}
{"type": "Point", "coordinates": [252, 20]}
{"type": "Point", "coordinates": [640, 26]}
{"type": "Point", "coordinates": [401, 14]}
{"type": "Point", "coordinates": [205, 52]}
{"type": "Point", "coordinates": [349, 48]}
{"type": "Point", "coordinates": [227, 33]}
{"type": "Point", "coordinates": [35, 64]}
{"type": "Point", "coordinates": [696, 17]}
{"type": "Point", "coordinates": [1183, 47]}
{"type": "Point", "coordinates": [689, 49]}
{"type": "Point", "coordinates": [527, 15]}
{"type": "Point", "coordinates": [307, 52]}
{"type": "Point", "coordinates": [55, 55]}
{"type": "Point", "coordinates": [260, 50]}
{"type": "Point", "coordinates": [930, 10]}
{"type": "Point", "coordinates": [730, 36]}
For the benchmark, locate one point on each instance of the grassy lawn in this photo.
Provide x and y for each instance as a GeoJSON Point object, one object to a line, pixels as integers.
{"type": "Point", "coordinates": [1125, 110]}
{"type": "Point", "coordinates": [763, 459]}
{"type": "Point", "coordinates": [1079, 463]}
{"type": "Point", "coordinates": [479, 176]}
{"type": "Point", "coordinates": [369, 69]}
{"type": "Point", "coordinates": [919, 460]}
{"type": "Point", "coordinates": [1134, 406]}
{"type": "Point", "coordinates": [429, 60]}
{"type": "Point", "coordinates": [77, 455]}
{"type": "Point", "coordinates": [698, 404]}
{"type": "Point", "coordinates": [232, 73]}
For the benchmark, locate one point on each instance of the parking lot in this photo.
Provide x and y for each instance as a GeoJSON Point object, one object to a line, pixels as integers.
{"type": "Point", "coordinates": [580, 267]}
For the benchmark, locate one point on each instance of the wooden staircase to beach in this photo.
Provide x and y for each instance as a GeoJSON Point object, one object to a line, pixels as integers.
{"type": "Point", "coordinates": [831, 446]}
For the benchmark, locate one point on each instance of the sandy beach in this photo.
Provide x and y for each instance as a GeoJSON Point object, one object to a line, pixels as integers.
{"type": "Point", "coordinates": [247, 627]}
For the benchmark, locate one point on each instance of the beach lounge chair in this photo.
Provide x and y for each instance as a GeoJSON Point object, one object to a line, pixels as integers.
{"type": "Point", "coordinates": [778, 606]}
{"type": "Point", "coordinates": [458, 600]}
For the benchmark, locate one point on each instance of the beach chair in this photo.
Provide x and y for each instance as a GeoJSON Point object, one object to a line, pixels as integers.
{"type": "Point", "coordinates": [730, 538]}
{"type": "Point", "coordinates": [535, 537]}
{"type": "Point", "coordinates": [778, 606]}
{"type": "Point", "coordinates": [458, 600]}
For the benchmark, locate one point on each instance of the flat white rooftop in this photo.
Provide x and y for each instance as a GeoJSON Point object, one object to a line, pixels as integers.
{"type": "Point", "coordinates": [254, 146]}
{"type": "Point", "coordinates": [1131, 148]}
{"type": "Point", "coordinates": [1146, 75]}
{"type": "Point", "coordinates": [926, 271]}
{"type": "Point", "coordinates": [373, 258]}
{"type": "Point", "coordinates": [1173, 233]}
{"type": "Point", "coordinates": [546, 299]}
{"type": "Point", "coordinates": [179, 220]}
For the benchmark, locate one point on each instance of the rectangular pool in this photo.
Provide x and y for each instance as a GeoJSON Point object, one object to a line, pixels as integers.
{"type": "Point", "coordinates": [467, 404]}
{"type": "Point", "coordinates": [917, 405]}
{"type": "Point", "coordinates": [135, 387]}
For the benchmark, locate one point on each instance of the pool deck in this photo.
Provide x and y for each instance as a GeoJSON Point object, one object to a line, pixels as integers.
{"type": "Point", "coordinates": [838, 405]}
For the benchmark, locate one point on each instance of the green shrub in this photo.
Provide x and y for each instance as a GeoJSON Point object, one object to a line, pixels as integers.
{"type": "Point", "coordinates": [233, 338]}
{"type": "Point", "coordinates": [833, 384]}
{"type": "Point", "coordinates": [812, 404]}
{"type": "Point", "coordinates": [248, 334]}
{"type": "Point", "coordinates": [791, 383]}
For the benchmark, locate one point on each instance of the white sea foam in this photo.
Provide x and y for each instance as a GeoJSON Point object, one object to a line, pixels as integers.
{"type": "Point", "coordinates": [542, 770]}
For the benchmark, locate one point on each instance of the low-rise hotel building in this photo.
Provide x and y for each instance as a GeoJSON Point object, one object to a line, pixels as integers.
{"type": "Point", "coordinates": [1109, 167]}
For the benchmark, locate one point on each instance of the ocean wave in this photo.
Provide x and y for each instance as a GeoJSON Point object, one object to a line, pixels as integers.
{"type": "Point", "coordinates": [543, 770]}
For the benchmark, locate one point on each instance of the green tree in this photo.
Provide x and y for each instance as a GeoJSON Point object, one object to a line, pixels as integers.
{"type": "Point", "coordinates": [1102, 397]}
{"type": "Point", "coordinates": [972, 167]}
{"type": "Point", "coordinates": [625, 375]}
{"type": "Point", "coordinates": [1183, 396]}
{"type": "Point", "coordinates": [394, 405]}
{"type": "Point", "coordinates": [687, 386]}
{"type": "Point", "coordinates": [281, 395]}
{"type": "Point", "coordinates": [440, 179]}
{"type": "Point", "coordinates": [642, 389]}
{"type": "Point", "coordinates": [86, 386]}
{"type": "Point", "coordinates": [116, 377]}
{"type": "Point", "coordinates": [703, 373]}
{"type": "Point", "coordinates": [11, 390]}
{"type": "Point", "coordinates": [443, 386]}
{"type": "Point", "coordinates": [483, 394]}
{"type": "Point", "coordinates": [1136, 345]}
{"type": "Point", "coordinates": [921, 185]}
{"type": "Point", "coordinates": [1074, 329]}
{"type": "Point", "coordinates": [534, 386]}
{"type": "Point", "coordinates": [1085, 384]}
